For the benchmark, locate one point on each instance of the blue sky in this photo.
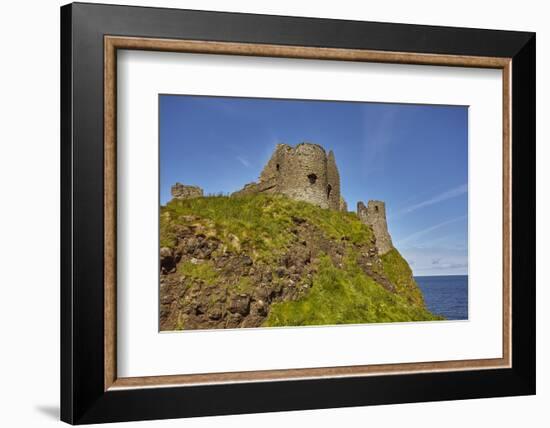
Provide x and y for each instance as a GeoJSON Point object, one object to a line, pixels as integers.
{"type": "Point", "coordinates": [413, 157]}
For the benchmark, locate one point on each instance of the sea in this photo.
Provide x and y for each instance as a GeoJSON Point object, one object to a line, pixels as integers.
{"type": "Point", "coordinates": [446, 295]}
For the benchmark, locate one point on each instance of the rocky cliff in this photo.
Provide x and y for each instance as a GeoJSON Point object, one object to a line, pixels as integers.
{"type": "Point", "coordinates": [269, 260]}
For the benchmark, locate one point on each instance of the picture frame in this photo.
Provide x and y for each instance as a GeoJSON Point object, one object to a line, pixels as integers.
{"type": "Point", "coordinates": [91, 35]}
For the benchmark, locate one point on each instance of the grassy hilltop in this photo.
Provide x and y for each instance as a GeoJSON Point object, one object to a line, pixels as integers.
{"type": "Point", "coordinates": [262, 260]}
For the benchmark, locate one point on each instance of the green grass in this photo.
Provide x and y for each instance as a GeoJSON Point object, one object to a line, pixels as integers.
{"type": "Point", "coordinates": [397, 270]}
{"type": "Point", "coordinates": [167, 233]}
{"type": "Point", "coordinates": [243, 285]}
{"type": "Point", "coordinates": [260, 225]}
{"type": "Point", "coordinates": [204, 271]}
{"type": "Point", "coordinates": [345, 296]}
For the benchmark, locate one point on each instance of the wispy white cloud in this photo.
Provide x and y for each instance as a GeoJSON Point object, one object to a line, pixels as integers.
{"type": "Point", "coordinates": [427, 230]}
{"type": "Point", "coordinates": [243, 161]}
{"type": "Point", "coordinates": [436, 260]}
{"type": "Point", "coordinates": [448, 194]}
{"type": "Point", "coordinates": [450, 240]}
{"type": "Point", "coordinates": [378, 135]}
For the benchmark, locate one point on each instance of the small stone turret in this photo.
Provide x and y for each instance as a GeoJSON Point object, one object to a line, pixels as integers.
{"type": "Point", "coordinates": [304, 173]}
{"type": "Point", "coordinates": [374, 214]}
{"type": "Point", "coordinates": [182, 191]}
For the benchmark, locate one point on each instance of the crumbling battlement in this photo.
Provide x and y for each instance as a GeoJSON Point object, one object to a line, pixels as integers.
{"type": "Point", "coordinates": [304, 173]}
{"type": "Point", "coordinates": [182, 191]}
{"type": "Point", "coordinates": [374, 214]}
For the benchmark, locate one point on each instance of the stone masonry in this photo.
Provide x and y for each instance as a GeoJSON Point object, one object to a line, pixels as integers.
{"type": "Point", "coordinates": [182, 191]}
{"type": "Point", "coordinates": [374, 214]}
{"type": "Point", "coordinates": [304, 173]}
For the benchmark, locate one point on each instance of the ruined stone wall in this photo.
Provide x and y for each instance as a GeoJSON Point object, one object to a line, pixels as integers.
{"type": "Point", "coordinates": [303, 173]}
{"type": "Point", "coordinates": [374, 214]}
{"type": "Point", "coordinates": [333, 183]}
{"type": "Point", "coordinates": [343, 205]}
{"type": "Point", "coordinates": [268, 186]}
{"type": "Point", "coordinates": [276, 164]}
{"type": "Point", "coordinates": [182, 191]}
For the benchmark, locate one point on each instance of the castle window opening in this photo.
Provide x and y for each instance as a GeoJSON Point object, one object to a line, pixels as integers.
{"type": "Point", "coordinates": [312, 178]}
{"type": "Point", "coordinates": [329, 189]}
{"type": "Point", "coordinates": [278, 167]}
{"type": "Point", "coordinates": [376, 208]}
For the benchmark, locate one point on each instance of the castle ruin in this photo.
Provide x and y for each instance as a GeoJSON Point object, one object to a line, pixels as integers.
{"type": "Point", "coordinates": [307, 173]}
{"type": "Point", "coordinates": [374, 214]}
{"type": "Point", "coordinates": [304, 173]}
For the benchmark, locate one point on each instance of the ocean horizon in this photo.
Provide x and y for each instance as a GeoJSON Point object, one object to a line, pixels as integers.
{"type": "Point", "coordinates": [445, 295]}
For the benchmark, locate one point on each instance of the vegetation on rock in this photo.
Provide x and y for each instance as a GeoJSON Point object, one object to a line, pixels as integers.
{"type": "Point", "coordinates": [345, 296]}
{"type": "Point", "coordinates": [400, 274]}
{"type": "Point", "coordinates": [267, 260]}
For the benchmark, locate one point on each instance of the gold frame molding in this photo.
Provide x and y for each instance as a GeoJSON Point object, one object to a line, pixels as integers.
{"type": "Point", "coordinates": [113, 43]}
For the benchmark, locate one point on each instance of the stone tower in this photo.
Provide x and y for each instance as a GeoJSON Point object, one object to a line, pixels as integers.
{"type": "Point", "coordinates": [374, 214]}
{"type": "Point", "coordinates": [304, 173]}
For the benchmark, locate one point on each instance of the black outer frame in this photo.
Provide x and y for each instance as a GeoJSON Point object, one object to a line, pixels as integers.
{"type": "Point", "coordinates": [83, 399]}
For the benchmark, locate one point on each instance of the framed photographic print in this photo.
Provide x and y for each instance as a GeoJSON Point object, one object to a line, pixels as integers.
{"type": "Point", "coordinates": [264, 213]}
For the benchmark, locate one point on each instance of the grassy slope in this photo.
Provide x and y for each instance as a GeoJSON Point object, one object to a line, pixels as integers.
{"type": "Point", "coordinates": [397, 270]}
{"type": "Point", "coordinates": [346, 296]}
{"type": "Point", "coordinates": [261, 226]}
